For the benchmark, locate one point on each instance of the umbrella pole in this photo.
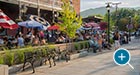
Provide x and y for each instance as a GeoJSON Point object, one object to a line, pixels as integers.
{"type": "Point", "coordinates": [5, 31]}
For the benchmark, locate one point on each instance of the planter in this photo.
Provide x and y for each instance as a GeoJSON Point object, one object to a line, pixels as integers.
{"type": "Point", "coordinates": [82, 53]}
{"type": "Point", "coordinates": [19, 67]}
{"type": "Point", "coordinates": [3, 69]}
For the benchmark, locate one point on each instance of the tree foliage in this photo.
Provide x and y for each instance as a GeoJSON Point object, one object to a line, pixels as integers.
{"type": "Point", "coordinates": [122, 18]}
{"type": "Point", "coordinates": [70, 21]}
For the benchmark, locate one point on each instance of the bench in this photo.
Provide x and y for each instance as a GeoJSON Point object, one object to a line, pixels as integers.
{"type": "Point", "coordinates": [64, 52]}
{"type": "Point", "coordinates": [48, 55]}
{"type": "Point", "coordinates": [29, 57]}
{"type": "Point", "coordinates": [94, 48]}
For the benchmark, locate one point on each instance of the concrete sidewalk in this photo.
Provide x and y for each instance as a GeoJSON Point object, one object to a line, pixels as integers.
{"type": "Point", "coordinates": [100, 63]}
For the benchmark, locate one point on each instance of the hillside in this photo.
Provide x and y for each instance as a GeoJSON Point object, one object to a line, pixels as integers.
{"type": "Point", "coordinates": [101, 11]}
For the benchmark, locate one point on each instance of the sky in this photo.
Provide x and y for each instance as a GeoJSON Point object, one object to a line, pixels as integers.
{"type": "Point", "coordinates": [87, 4]}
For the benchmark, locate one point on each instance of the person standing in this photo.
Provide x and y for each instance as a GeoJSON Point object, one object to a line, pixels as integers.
{"type": "Point", "coordinates": [20, 41]}
{"type": "Point", "coordinates": [116, 39]}
{"type": "Point", "coordinates": [99, 40]}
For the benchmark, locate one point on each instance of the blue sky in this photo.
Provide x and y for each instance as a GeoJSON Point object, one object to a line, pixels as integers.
{"type": "Point", "coordinates": [86, 4]}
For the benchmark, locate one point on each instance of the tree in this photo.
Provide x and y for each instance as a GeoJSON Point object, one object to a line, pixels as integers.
{"type": "Point", "coordinates": [122, 24]}
{"type": "Point", "coordinates": [136, 20]}
{"type": "Point", "coordinates": [122, 18]}
{"type": "Point", "coordinates": [70, 21]}
{"type": "Point", "coordinates": [111, 21]}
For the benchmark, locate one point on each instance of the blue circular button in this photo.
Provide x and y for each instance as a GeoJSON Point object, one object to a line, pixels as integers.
{"type": "Point", "coordinates": [121, 56]}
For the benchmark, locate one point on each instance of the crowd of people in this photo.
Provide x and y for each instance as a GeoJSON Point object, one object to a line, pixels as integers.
{"type": "Point", "coordinates": [20, 40]}
{"type": "Point", "coordinates": [97, 38]}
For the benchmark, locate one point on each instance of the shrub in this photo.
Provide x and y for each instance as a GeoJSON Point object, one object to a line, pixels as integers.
{"type": "Point", "coordinates": [9, 58]}
{"type": "Point", "coordinates": [76, 46]}
{"type": "Point", "coordinates": [81, 45]}
{"type": "Point", "coordinates": [1, 60]}
{"type": "Point", "coordinates": [86, 44]}
{"type": "Point", "coordinates": [18, 57]}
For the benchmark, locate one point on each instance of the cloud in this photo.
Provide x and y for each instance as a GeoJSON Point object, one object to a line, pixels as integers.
{"type": "Point", "coordinates": [86, 4]}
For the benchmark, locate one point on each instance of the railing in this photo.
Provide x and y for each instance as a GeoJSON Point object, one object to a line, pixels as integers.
{"type": "Point", "coordinates": [44, 3]}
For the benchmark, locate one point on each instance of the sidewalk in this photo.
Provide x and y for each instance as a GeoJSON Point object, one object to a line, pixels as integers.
{"type": "Point", "coordinates": [59, 64]}
{"type": "Point", "coordinates": [94, 64]}
{"type": "Point", "coordinates": [97, 62]}
{"type": "Point", "coordinates": [133, 44]}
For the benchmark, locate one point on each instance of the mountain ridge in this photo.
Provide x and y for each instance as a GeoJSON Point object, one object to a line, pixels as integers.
{"type": "Point", "coordinates": [100, 10]}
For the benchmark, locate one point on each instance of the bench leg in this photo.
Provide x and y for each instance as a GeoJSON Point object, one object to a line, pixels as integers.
{"type": "Point", "coordinates": [42, 61]}
{"type": "Point", "coordinates": [94, 50]}
{"type": "Point", "coordinates": [24, 65]}
{"type": "Point", "coordinates": [88, 50]}
{"type": "Point", "coordinates": [32, 64]}
{"type": "Point", "coordinates": [67, 57]}
{"type": "Point", "coordinates": [50, 62]}
{"type": "Point", "coordinates": [54, 61]}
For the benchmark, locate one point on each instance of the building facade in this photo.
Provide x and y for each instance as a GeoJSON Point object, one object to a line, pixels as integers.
{"type": "Point", "coordinates": [17, 9]}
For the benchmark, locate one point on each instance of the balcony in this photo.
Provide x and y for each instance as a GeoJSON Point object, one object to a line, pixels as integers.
{"type": "Point", "coordinates": [43, 4]}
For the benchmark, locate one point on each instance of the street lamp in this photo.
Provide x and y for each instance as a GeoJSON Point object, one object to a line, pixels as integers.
{"type": "Point", "coordinates": [129, 27]}
{"type": "Point", "coordinates": [108, 10]}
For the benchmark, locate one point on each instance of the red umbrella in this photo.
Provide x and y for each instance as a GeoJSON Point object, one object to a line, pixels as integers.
{"type": "Point", "coordinates": [92, 24]}
{"type": "Point", "coordinates": [54, 27]}
{"type": "Point", "coordinates": [6, 22]}
{"type": "Point", "coordinates": [103, 25]}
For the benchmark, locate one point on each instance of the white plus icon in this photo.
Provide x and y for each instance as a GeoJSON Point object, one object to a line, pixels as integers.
{"type": "Point", "coordinates": [121, 57]}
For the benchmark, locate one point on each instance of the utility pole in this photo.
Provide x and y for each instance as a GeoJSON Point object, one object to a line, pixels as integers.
{"type": "Point", "coordinates": [117, 16]}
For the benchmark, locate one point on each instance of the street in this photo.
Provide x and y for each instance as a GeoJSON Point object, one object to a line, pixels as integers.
{"type": "Point", "coordinates": [94, 64]}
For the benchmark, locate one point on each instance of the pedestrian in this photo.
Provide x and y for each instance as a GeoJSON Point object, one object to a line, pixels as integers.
{"type": "Point", "coordinates": [116, 38]}
{"type": "Point", "coordinates": [100, 40]}
{"type": "Point", "coordinates": [20, 41]}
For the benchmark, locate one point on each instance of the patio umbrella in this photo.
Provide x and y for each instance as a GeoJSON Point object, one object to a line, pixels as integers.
{"type": "Point", "coordinates": [54, 27]}
{"type": "Point", "coordinates": [39, 19]}
{"type": "Point", "coordinates": [32, 24]}
{"type": "Point", "coordinates": [92, 24]}
{"type": "Point", "coordinates": [103, 25]}
{"type": "Point", "coordinates": [6, 22]}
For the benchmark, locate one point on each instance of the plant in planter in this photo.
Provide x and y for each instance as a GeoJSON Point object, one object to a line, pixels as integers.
{"type": "Point", "coordinates": [9, 58]}
{"type": "Point", "coordinates": [18, 57]}
{"type": "Point", "coordinates": [1, 60]}
{"type": "Point", "coordinates": [86, 44]}
{"type": "Point", "coordinates": [76, 46]}
{"type": "Point", "coordinates": [81, 45]}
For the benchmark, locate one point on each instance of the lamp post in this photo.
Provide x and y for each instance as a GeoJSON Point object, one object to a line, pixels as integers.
{"type": "Point", "coordinates": [129, 27]}
{"type": "Point", "coordinates": [108, 10]}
